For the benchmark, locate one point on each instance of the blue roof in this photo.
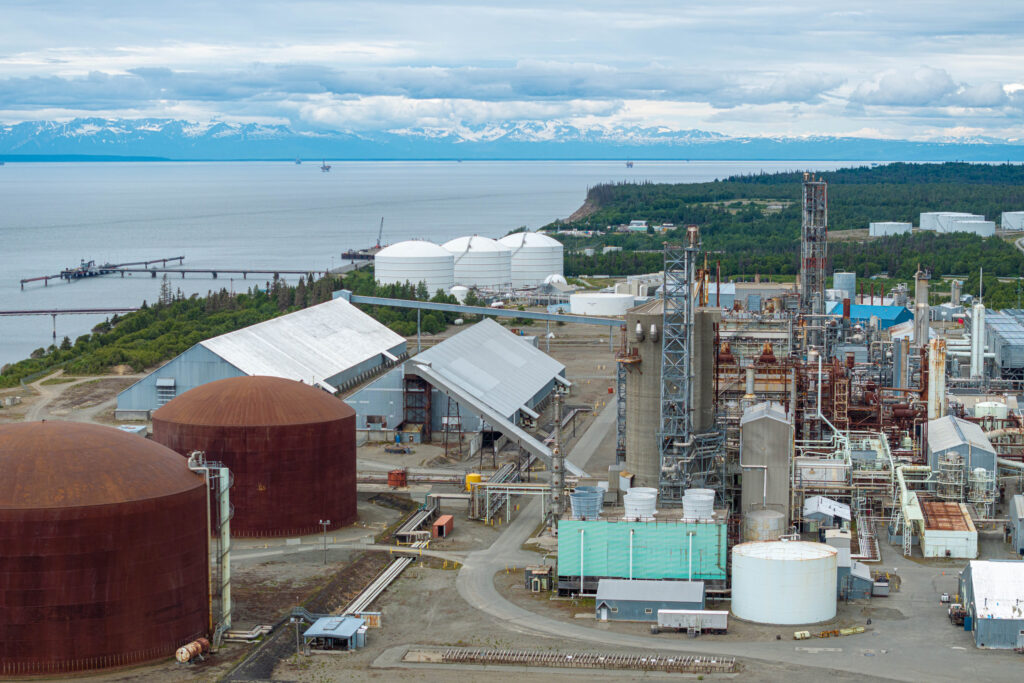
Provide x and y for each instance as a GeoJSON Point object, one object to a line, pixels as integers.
{"type": "Point", "coordinates": [334, 627]}
{"type": "Point", "coordinates": [887, 315]}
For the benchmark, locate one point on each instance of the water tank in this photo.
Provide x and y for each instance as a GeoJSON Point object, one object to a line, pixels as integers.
{"type": "Point", "coordinates": [784, 582]}
{"type": "Point", "coordinates": [534, 257]}
{"type": "Point", "coordinates": [640, 503]}
{"type": "Point", "coordinates": [847, 282]}
{"type": "Point", "coordinates": [415, 261]}
{"type": "Point", "coordinates": [104, 549]}
{"type": "Point", "coordinates": [471, 479]}
{"type": "Point", "coordinates": [586, 502]}
{"type": "Point", "coordinates": [290, 446]}
{"type": "Point", "coordinates": [459, 292]}
{"type": "Point", "coordinates": [698, 504]}
{"type": "Point", "coordinates": [763, 525]}
{"type": "Point", "coordinates": [555, 279]}
{"type": "Point", "coordinates": [481, 262]}
{"type": "Point", "coordinates": [600, 303]}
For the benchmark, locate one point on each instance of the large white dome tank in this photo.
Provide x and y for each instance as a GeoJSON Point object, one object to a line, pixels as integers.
{"type": "Point", "coordinates": [534, 257]}
{"type": "Point", "coordinates": [415, 261]}
{"type": "Point", "coordinates": [784, 582]}
{"type": "Point", "coordinates": [481, 262]}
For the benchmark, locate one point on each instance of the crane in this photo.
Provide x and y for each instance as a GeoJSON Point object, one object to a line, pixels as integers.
{"type": "Point", "coordinates": [380, 233]}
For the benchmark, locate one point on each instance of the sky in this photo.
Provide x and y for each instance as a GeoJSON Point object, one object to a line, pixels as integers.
{"type": "Point", "coordinates": [901, 69]}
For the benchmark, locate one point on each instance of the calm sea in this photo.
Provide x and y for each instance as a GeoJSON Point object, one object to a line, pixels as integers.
{"type": "Point", "coordinates": [266, 215]}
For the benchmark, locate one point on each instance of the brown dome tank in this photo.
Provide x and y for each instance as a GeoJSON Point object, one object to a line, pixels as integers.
{"type": "Point", "coordinates": [103, 549]}
{"type": "Point", "coordinates": [290, 446]}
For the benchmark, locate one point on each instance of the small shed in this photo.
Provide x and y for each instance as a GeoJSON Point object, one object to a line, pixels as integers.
{"type": "Point", "coordinates": [640, 600]}
{"type": "Point", "coordinates": [443, 526]}
{"type": "Point", "coordinates": [948, 530]}
{"type": "Point", "coordinates": [992, 592]}
{"type": "Point", "coordinates": [854, 581]}
{"type": "Point", "coordinates": [539, 578]}
{"type": "Point", "coordinates": [336, 633]}
{"type": "Point", "coordinates": [1017, 523]}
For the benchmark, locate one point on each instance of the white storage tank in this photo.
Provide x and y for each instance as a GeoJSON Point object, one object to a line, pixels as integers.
{"type": "Point", "coordinates": [763, 525]}
{"type": "Point", "coordinates": [976, 226]}
{"type": "Point", "coordinates": [1012, 220]}
{"type": "Point", "coordinates": [481, 262]}
{"type": "Point", "coordinates": [600, 303]}
{"type": "Point", "coordinates": [415, 261]}
{"type": "Point", "coordinates": [991, 409]}
{"type": "Point", "coordinates": [784, 582]}
{"type": "Point", "coordinates": [534, 257]}
{"type": "Point", "coordinates": [886, 228]}
{"type": "Point", "coordinates": [459, 292]}
{"type": "Point", "coordinates": [846, 282]}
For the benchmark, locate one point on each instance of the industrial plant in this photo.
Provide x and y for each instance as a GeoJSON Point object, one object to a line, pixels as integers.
{"type": "Point", "coordinates": [673, 457]}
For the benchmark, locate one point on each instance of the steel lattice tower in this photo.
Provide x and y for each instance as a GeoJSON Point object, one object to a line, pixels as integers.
{"type": "Point", "coordinates": [813, 250]}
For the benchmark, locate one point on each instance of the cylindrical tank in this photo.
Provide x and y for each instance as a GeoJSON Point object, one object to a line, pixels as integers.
{"type": "Point", "coordinates": [846, 282]}
{"type": "Point", "coordinates": [639, 506]}
{"type": "Point", "coordinates": [643, 392]}
{"type": "Point", "coordinates": [481, 262]}
{"type": "Point", "coordinates": [600, 303]}
{"type": "Point", "coordinates": [763, 525]}
{"type": "Point", "coordinates": [415, 261]}
{"type": "Point", "coordinates": [471, 479]}
{"type": "Point", "coordinates": [586, 502]}
{"type": "Point", "coordinates": [103, 549]}
{"type": "Point", "coordinates": [698, 504]}
{"type": "Point", "coordinates": [534, 257]}
{"type": "Point", "coordinates": [991, 409]}
{"type": "Point", "coordinates": [784, 582]}
{"type": "Point", "coordinates": [290, 447]}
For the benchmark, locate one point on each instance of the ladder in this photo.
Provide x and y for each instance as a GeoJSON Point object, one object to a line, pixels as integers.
{"type": "Point", "coordinates": [907, 537]}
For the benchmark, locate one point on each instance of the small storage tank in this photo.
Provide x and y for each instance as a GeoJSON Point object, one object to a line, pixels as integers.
{"type": "Point", "coordinates": [481, 262]}
{"type": "Point", "coordinates": [586, 502]}
{"type": "Point", "coordinates": [763, 525]}
{"type": "Point", "coordinates": [991, 409]}
{"type": "Point", "coordinates": [415, 261]}
{"type": "Point", "coordinates": [847, 282]}
{"type": "Point", "coordinates": [459, 292]}
{"type": "Point", "coordinates": [534, 257]}
{"type": "Point", "coordinates": [291, 449]}
{"type": "Point", "coordinates": [103, 549]}
{"type": "Point", "coordinates": [471, 479]}
{"type": "Point", "coordinates": [698, 504]}
{"type": "Point", "coordinates": [600, 303]}
{"type": "Point", "coordinates": [784, 582]}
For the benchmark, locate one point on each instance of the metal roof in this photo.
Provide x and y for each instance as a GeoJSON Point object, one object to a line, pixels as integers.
{"type": "Point", "coordinates": [334, 627]}
{"type": "Point", "coordinates": [826, 506]}
{"type": "Point", "coordinates": [945, 516]}
{"type": "Point", "coordinates": [998, 588]}
{"type": "Point", "coordinates": [501, 369]}
{"type": "Point", "coordinates": [865, 311]}
{"type": "Point", "coordinates": [774, 411]}
{"type": "Point", "coordinates": [650, 591]}
{"type": "Point", "coordinates": [784, 550]}
{"type": "Point", "coordinates": [311, 345]}
{"type": "Point", "coordinates": [414, 249]}
{"type": "Point", "coordinates": [949, 432]}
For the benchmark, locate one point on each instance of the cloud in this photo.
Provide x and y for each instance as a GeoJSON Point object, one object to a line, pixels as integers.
{"type": "Point", "coordinates": [920, 87]}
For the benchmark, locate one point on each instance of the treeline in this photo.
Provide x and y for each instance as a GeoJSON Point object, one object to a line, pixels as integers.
{"type": "Point", "coordinates": [162, 330]}
{"type": "Point", "coordinates": [751, 224]}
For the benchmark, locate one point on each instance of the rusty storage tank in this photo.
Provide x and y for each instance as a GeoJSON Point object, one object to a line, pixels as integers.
{"type": "Point", "coordinates": [290, 446]}
{"type": "Point", "coordinates": [103, 549]}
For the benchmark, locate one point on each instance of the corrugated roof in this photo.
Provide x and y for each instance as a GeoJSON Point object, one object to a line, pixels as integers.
{"type": "Point", "coordinates": [998, 588]}
{"type": "Point", "coordinates": [334, 627]}
{"type": "Point", "coordinates": [310, 345]}
{"type": "Point", "coordinates": [865, 311]}
{"type": "Point", "coordinates": [826, 506]}
{"type": "Point", "coordinates": [502, 369]}
{"type": "Point", "coordinates": [945, 516]}
{"type": "Point", "coordinates": [650, 591]}
{"type": "Point", "coordinates": [949, 432]}
{"type": "Point", "coordinates": [774, 411]}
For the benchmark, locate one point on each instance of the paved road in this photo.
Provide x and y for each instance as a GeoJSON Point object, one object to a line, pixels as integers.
{"type": "Point", "coordinates": [922, 647]}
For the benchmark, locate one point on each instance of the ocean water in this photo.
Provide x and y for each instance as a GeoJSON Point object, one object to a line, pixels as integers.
{"type": "Point", "coordinates": [266, 215]}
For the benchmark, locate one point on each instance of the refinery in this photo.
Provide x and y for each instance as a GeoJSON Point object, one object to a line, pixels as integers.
{"type": "Point", "coordinates": [675, 474]}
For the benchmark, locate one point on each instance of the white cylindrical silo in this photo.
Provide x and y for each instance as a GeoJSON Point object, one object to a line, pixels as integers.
{"type": "Point", "coordinates": [1011, 220]}
{"type": "Point", "coordinates": [415, 261]}
{"type": "Point", "coordinates": [600, 303]}
{"type": "Point", "coordinates": [534, 257]}
{"type": "Point", "coordinates": [846, 282]}
{"type": "Point", "coordinates": [481, 262]}
{"type": "Point", "coordinates": [784, 582]}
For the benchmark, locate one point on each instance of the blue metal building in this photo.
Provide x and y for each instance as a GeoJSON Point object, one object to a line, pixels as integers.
{"type": "Point", "coordinates": [992, 592]}
{"type": "Point", "coordinates": [862, 313]}
{"type": "Point", "coordinates": [640, 600]}
{"type": "Point", "coordinates": [333, 345]}
{"type": "Point", "coordinates": [951, 435]}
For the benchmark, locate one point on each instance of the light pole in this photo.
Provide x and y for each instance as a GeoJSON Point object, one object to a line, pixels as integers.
{"type": "Point", "coordinates": [325, 523]}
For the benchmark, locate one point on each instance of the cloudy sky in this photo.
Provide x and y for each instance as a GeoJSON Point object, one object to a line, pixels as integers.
{"type": "Point", "coordinates": [895, 68]}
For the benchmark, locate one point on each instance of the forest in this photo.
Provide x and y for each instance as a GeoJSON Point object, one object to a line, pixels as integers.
{"type": "Point", "coordinates": [161, 330]}
{"type": "Point", "coordinates": [751, 224]}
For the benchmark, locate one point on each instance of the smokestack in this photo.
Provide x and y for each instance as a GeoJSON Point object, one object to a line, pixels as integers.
{"type": "Point", "coordinates": [936, 379]}
{"type": "Point", "coordinates": [846, 309]}
{"type": "Point", "coordinates": [978, 340]}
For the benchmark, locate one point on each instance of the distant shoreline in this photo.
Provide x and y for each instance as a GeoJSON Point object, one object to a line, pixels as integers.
{"type": "Point", "coordinates": [95, 158]}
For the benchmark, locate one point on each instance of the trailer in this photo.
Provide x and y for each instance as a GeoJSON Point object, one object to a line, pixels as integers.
{"type": "Point", "coordinates": [693, 621]}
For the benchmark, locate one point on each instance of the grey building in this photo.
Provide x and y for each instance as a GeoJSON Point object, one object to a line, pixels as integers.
{"type": "Point", "coordinates": [950, 435]}
{"type": "Point", "coordinates": [1017, 523]}
{"type": "Point", "coordinates": [766, 444]}
{"type": "Point", "coordinates": [640, 600]}
{"type": "Point", "coordinates": [501, 371]}
{"type": "Point", "coordinates": [993, 594]}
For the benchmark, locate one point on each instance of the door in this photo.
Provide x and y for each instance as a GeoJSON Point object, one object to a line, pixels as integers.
{"type": "Point", "coordinates": [604, 613]}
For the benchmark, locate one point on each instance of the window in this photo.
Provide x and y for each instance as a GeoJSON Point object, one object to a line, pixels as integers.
{"type": "Point", "coordinates": [165, 390]}
{"type": "Point", "coordinates": [648, 611]}
{"type": "Point", "coordinates": [376, 422]}
{"type": "Point", "coordinates": [615, 609]}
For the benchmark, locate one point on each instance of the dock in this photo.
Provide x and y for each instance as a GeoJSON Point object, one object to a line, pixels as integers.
{"type": "Point", "coordinates": [90, 269]}
{"type": "Point", "coordinates": [54, 312]}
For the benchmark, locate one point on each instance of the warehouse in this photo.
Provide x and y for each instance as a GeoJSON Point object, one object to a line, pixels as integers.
{"type": "Point", "coordinates": [333, 345]}
{"type": "Point", "coordinates": [499, 371]}
{"type": "Point", "coordinates": [950, 437]}
{"type": "Point", "coordinates": [863, 313]}
{"type": "Point", "coordinates": [623, 600]}
{"type": "Point", "coordinates": [993, 594]}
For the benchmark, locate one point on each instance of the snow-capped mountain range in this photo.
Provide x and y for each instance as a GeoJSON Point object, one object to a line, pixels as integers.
{"type": "Point", "coordinates": [218, 140]}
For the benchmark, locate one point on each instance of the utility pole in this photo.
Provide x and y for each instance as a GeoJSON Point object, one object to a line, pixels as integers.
{"type": "Point", "coordinates": [325, 523]}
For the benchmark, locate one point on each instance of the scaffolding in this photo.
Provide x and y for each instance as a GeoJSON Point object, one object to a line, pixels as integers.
{"type": "Point", "coordinates": [687, 459]}
{"type": "Point", "coordinates": [949, 478]}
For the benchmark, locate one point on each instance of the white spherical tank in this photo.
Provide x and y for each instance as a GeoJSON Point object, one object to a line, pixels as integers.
{"type": "Point", "coordinates": [415, 261]}
{"type": "Point", "coordinates": [600, 303]}
{"type": "Point", "coordinates": [784, 582]}
{"type": "Point", "coordinates": [764, 525]}
{"type": "Point", "coordinates": [481, 262]}
{"type": "Point", "coordinates": [459, 292]}
{"type": "Point", "coordinates": [534, 257]}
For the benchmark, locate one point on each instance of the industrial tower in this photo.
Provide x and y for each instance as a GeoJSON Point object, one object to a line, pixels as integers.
{"type": "Point", "coordinates": [687, 459]}
{"type": "Point", "coordinates": [814, 255]}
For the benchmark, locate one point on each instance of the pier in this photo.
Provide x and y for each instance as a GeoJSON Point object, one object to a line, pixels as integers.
{"type": "Point", "coordinates": [244, 272]}
{"type": "Point", "coordinates": [54, 312]}
{"type": "Point", "coordinates": [90, 269]}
